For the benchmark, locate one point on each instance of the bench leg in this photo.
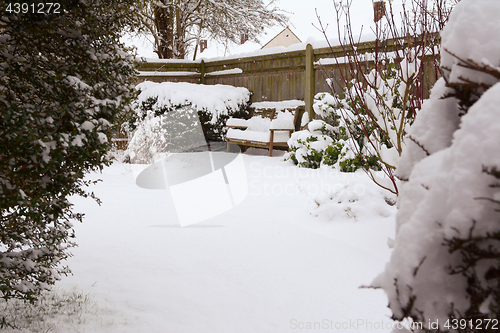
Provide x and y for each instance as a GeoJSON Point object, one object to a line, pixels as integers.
{"type": "Point", "coordinates": [271, 139]}
{"type": "Point", "coordinates": [228, 147]}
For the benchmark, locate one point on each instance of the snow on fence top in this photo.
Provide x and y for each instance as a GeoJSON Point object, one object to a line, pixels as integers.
{"type": "Point", "coordinates": [279, 106]}
{"type": "Point", "coordinates": [372, 56]}
{"type": "Point", "coordinates": [217, 99]}
{"type": "Point", "coordinates": [171, 73]}
{"type": "Point", "coordinates": [367, 37]}
{"type": "Point", "coordinates": [226, 72]}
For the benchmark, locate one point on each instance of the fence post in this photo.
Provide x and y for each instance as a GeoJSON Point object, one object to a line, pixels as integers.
{"type": "Point", "coordinates": [202, 72]}
{"type": "Point", "coordinates": [310, 81]}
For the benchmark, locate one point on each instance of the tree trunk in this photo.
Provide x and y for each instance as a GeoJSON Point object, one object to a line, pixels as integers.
{"type": "Point", "coordinates": [180, 47]}
{"type": "Point", "coordinates": [198, 41]}
{"type": "Point", "coordinates": [164, 26]}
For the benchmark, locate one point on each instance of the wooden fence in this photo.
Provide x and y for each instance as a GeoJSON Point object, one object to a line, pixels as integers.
{"type": "Point", "coordinates": [274, 77]}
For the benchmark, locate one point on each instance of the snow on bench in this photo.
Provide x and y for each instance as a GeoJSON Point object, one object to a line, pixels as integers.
{"type": "Point", "coordinates": [271, 125]}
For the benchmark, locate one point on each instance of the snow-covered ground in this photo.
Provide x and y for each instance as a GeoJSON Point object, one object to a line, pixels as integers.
{"type": "Point", "coordinates": [274, 263]}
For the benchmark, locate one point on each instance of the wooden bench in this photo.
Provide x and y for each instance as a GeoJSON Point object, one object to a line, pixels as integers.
{"type": "Point", "coordinates": [267, 128]}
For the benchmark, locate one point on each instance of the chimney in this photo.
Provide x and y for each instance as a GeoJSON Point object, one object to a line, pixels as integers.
{"type": "Point", "coordinates": [203, 45]}
{"type": "Point", "coordinates": [244, 38]}
{"type": "Point", "coordinates": [378, 10]}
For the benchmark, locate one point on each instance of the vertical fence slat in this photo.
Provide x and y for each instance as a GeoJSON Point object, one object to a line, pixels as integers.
{"type": "Point", "coordinates": [310, 81]}
{"type": "Point", "coordinates": [203, 71]}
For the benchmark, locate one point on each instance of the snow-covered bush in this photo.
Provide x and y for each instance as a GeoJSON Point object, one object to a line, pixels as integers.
{"type": "Point", "coordinates": [169, 117]}
{"type": "Point", "coordinates": [386, 82]}
{"type": "Point", "coordinates": [376, 113]}
{"type": "Point", "coordinates": [63, 78]}
{"type": "Point", "coordinates": [307, 148]}
{"type": "Point", "coordinates": [171, 132]}
{"type": "Point", "coordinates": [213, 103]}
{"type": "Point", "coordinates": [328, 142]}
{"type": "Point", "coordinates": [353, 198]}
{"type": "Point", "coordinates": [445, 267]}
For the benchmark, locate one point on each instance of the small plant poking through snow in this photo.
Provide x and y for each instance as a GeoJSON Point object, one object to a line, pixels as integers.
{"type": "Point", "coordinates": [55, 311]}
{"type": "Point", "coordinates": [353, 199]}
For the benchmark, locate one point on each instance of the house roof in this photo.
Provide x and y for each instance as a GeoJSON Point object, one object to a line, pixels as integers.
{"type": "Point", "coordinates": [285, 38]}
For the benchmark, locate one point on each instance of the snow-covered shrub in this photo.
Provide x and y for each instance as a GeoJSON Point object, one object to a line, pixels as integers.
{"type": "Point", "coordinates": [213, 103]}
{"type": "Point", "coordinates": [353, 198]}
{"type": "Point", "coordinates": [170, 132]}
{"type": "Point", "coordinates": [445, 267]}
{"type": "Point", "coordinates": [325, 144]}
{"type": "Point", "coordinates": [307, 148]}
{"type": "Point", "coordinates": [63, 79]}
{"type": "Point", "coordinates": [376, 114]}
{"type": "Point", "coordinates": [387, 81]}
{"type": "Point", "coordinates": [169, 117]}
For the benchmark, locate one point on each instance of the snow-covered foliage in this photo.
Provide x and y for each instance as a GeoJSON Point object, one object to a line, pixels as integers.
{"type": "Point", "coordinates": [330, 142]}
{"type": "Point", "coordinates": [354, 198]}
{"type": "Point", "coordinates": [172, 132]}
{"type": "Point", "coordinates": [377, 112]}
{"type": "Point", "coordinates": [307, 147]}
{"type": "Point", "coordinates": [147, 142]}
{"type": "Point", "coordinates": [446, 262]}
{"type": "Point", "coordinates": [63, 78]}
{"type": "Point", "coordinates": [174, 117]}
{"type": "Point", "coordinates": [219, 100]}
{"type": "Point", "coordinates": [382, 87]}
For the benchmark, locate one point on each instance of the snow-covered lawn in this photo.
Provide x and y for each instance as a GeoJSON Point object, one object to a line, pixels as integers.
{"type": "Point", "coordinates": [268, 265]}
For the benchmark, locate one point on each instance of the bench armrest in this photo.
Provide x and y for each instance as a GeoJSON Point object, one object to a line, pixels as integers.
{"type": "Point", "coordinates": [236, 123]}
{"type": "Point", "coordinates": [242, 127]}
{"type": "Point", "coordinates": [281, 129]}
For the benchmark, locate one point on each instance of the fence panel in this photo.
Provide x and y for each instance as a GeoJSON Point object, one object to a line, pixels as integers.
{"type": "Point", "coordinates": [274, 77]}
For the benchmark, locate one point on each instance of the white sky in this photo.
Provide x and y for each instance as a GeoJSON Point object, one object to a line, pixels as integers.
{"type": "Point", "coordinates": [304, 16]}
